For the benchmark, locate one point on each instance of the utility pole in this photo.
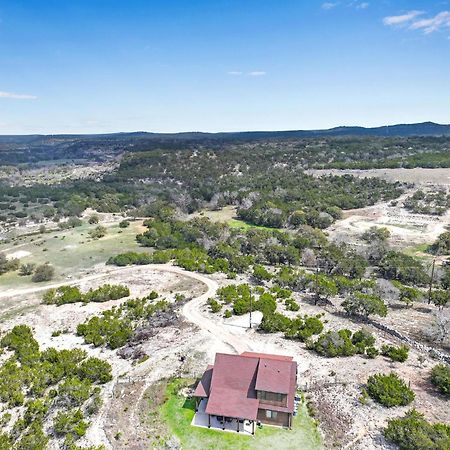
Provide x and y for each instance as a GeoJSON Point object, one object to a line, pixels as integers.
{"type": "Point", "coordinates": [251, 307]}
{"type": "Point", "coordinates": [317, 275]}
{"type": "Point", "coordinates": [431, 281]}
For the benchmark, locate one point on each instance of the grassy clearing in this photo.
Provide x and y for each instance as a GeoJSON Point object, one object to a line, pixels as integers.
{"type": "Point", "coordinates": [418, 251]}
{"type": "Point", "coordinates": [228, 215]}
{"type": "Point", "coordinates": [70, 251]}
{"type": "Point", "coordinates": [178, 411]}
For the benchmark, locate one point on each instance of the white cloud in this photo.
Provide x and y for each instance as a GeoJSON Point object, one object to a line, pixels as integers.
{"type": "Point", "coordinates": [234, 72]}
{"type": "Point", "coordinates": [328, 5]}
{"type": "Point", "coordinates": [17, 96]}
{"type": "Point", "coordinates": [436, 23]}
{"type": "Point", "coordinates": [402, 19]}
{"type": "Point", "coordinates": [363, 5]}
{"type": "Point", "coordinates": [257, 73]}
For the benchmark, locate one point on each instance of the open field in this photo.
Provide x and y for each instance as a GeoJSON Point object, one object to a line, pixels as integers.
{"type": "Point", "coordinates": [71, 251]}
{"type": "Point", "coordinates": [227, 215]}
{"type": "Point", "coordinates": [418, 176]}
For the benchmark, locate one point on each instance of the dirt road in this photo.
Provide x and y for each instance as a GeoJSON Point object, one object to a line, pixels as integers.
{"type": "Point", "coordinates": [191, 310]}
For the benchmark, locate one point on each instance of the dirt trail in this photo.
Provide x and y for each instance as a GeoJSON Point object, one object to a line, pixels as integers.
{"type": "Point", "coordinates": [192, 312]}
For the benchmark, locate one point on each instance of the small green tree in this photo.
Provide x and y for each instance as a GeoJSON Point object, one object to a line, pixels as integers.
{"type": "Point", "coordinates": [440, 377]}
{"type": "Point", "coordinates": [399, 354]}
{"type": "Point", "coordinates": [26, 269]}
{"type": "Point", "coordinates": [389, 390]}
{"type": "Point", "coordinates": [324, 287]}
{"type": "Point", "coordinates": [407, 294]}
{"type": "Point", "coordinates": [45, 272]}
{"type": "Point", "coordinates": [440, 297]}
{"type": "Point", "coordinates": [413, 432]}
{"type": "Point", "coordinates": [98, 232]}
{"type": "Point", "coordinates": [365, 305]}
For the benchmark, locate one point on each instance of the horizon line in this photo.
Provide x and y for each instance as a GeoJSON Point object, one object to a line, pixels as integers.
{"type": "Point", "coordinates": [228, 132]}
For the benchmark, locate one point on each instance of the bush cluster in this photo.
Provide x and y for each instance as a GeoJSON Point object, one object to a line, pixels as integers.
{"type": "Point", "coordinates": [389, 390]}
{"type": "Point", "coordinates": [114, 327]}
{"type": "Point", "coordinates": [440, 377]}
{"type": "Point", "coordinates": [399, 354]}
{"type": "Point", "coordinates": [72, 294]}
{"type": "Point", "coordinates": [344, 343]}
{"type": "Point", "coordinates": [413, 432]}
{"type": "Point", "coordinates": [43, 382]}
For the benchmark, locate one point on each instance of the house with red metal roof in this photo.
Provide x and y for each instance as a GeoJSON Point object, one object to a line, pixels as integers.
{"type": "Point", "coordinates": [241, 390]}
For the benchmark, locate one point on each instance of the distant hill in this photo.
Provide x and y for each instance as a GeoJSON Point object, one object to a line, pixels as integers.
{"type": "Point", "coordinates": [401, 130]}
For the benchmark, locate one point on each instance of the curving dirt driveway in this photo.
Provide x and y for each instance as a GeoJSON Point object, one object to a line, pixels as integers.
{"type": "Point", "coordinates": [191, 310]}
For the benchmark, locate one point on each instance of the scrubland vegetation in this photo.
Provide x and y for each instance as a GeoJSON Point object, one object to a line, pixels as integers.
{"type": "Point", "coordinates": [57, 387]}
{"type": "Point", "coordinates": [277, 245]}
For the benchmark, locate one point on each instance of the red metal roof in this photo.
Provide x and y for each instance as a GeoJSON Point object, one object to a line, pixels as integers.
{"type": "Point", "coordinates": [203, 387]}
{"type": "Point", "coordinates": [274, 376]}
{"type": "Point", "coordinates": [232, 382]}
{"type": "Point", "coordinates": [230, 403]}
{"type": "Point", "coordinates": [267, 356]}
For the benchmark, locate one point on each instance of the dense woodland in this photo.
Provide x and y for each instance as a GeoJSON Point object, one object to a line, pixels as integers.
{"type": "Point", "coordinates": [263, 177]}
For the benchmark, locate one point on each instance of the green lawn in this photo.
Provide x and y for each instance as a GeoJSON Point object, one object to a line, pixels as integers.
{"type": "Point", "coordinates": [420, 248]}
{"type": "Point", "coordinates": [236, 223]}
{"type": "Point", "coordinates": [178, 412]}
{"type": "Point", "coordinates": [70, 251]}
{"type": "Point", "coordinates": [228, 215]}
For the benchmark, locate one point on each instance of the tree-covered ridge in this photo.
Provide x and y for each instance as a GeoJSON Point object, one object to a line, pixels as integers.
{"type": "Point", "coordinates": [263, 178]}
{"type": "Point", "coordinates": [269, 188]}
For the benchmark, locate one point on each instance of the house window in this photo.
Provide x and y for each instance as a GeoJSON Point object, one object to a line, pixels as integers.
{"type": "Point", "coordinates": [271, 414]}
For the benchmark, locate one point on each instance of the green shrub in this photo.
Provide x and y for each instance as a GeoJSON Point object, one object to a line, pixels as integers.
{"type": "Point", "coordinates": [98, 232]}
{"type": "Point", "coordinates": [45, 272]}
{"type": "Point", "coordinates": [291, 305]}
{"type": "Point", "coordinates": [399, 354]}
{"type": "Point", "coordinates": [74, 392]}
{"type": "Point", "coordinates": [362, 339]}
{"type": "Point", "coordinates": [26, 269]}
{"type": "Point", "coordinates": [334, 343]}
{"type": "Point", "coordinates": [214, 305]}
{"type": "Point", "coordinates": [70, 423]}
{"type": "Point", "coordinates": [260, 273]}
{"type": "Point", "coordinates": [272, 323]}
{"type": "Point", "coordinates": [389, 390]}
{"type": "Point", "coordinates": [93, 219]}
{"type": "Point", "coordinates": [20, 340]}
{"type": "Point", "coordinates": [413, 432]}
{"type": "Point", "coordinates": [303, 328]}
{"type": "Point", "coordinates": [95, 370]}
{"type": "Point", "coordinates": [440, 377]}
{"type": "Point", "coordinates": [72, 294]}
{"type": "Point", "coordinates": [106, 292]}
{"type": "Point", "coordinates": [124, 224]}
{"type": "Point", "coordinates": [33, 437]}
{"type": "Point", "coordinates": [131, 258]}
{"type": "Point", "coordinates": [372, 352]}
{"type": "Point", "coordinates": [364, 305]}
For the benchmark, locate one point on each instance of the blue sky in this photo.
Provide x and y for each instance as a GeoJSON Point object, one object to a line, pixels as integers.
{"type": "Point", "coordinates": [221, 65]}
